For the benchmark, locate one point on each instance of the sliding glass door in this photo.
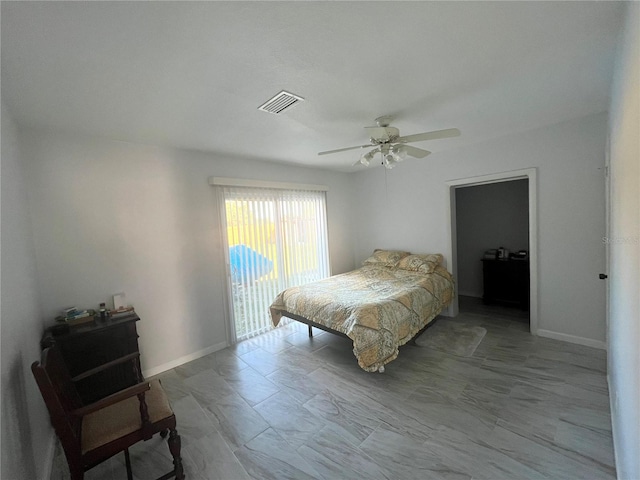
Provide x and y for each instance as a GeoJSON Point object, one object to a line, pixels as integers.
{"type": "Point", "coordinates": [275, 239]}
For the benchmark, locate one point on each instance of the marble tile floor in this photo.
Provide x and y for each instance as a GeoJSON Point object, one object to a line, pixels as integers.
{"type": "Point", "coordinates": [283, 406]}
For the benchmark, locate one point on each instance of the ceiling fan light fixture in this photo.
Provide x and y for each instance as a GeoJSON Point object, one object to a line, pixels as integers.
{"type": "Point", "coordinates": [399, 152]}
{"type": "Point", "coordinates": [366, 158]}
{"type": "Point", "coordinates": [389, 161]}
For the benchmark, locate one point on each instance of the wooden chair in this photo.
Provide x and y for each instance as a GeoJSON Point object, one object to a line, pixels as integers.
{"type": "Point", "coordinates": [91, 434]}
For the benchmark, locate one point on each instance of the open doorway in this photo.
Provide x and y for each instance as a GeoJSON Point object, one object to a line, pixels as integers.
{"type": "Point", "coordinates": [493, 224]}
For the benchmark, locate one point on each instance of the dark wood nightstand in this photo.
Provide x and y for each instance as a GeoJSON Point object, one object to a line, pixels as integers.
{"type": "Point", "coordinates": [87, 346]}
{"type": "Point", "coordinates": [506, 282]}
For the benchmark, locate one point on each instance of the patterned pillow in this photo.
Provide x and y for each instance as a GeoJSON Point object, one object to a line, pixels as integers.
{"type": "Point", "coordinates": [421, 263]}
{"type": "Point", "coordinates": [385, 258]}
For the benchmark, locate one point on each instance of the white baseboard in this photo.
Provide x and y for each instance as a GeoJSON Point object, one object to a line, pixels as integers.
{"type": "Point", "coordinates": [470, 294]}
{"type": "Point", "coordinates": [587, 342]}
{"type": "Point", "coordinates": [182, 360]}
{"type": "Point", "coordinates": [49, 457]}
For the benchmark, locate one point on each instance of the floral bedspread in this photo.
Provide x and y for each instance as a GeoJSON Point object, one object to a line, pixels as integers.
{"type": "Point", "coordinates": [379, 308]}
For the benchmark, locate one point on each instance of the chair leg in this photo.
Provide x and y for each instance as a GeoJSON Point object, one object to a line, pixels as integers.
{"type": "Point", "coordinates": [127, 462]}
{"type": "Point", "coordinates": [174, 447]}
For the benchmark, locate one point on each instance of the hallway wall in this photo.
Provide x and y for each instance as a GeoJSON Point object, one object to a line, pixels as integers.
{"type": "Point", "coordinates": [488, 217]}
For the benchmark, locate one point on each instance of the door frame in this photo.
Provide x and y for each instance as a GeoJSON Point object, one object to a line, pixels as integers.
{"type": "Point", "coordinates": [529, 174]}
{"type": "Point", "coordinates": [607, 243]}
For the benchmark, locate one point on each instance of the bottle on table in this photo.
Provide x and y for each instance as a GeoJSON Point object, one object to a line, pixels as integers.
{"type": "Point", "coordinates": [103, 311]}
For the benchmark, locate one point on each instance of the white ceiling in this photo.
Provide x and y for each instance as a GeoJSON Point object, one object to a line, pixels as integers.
{"type": "Point", "coordinates": [192, 74]}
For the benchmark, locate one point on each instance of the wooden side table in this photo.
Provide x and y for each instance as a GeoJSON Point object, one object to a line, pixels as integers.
{"type": "Point", "coordinates": [506, 282]}
{"type": "Point", "coordinates": [87, 346]}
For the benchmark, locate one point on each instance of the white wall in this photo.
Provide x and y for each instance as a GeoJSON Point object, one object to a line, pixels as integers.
{"type": "Point", "coordinates": [113, 216]}
{"type": "Point", "coordinates": [624, 267]}
{"type": "Point", "coordinates": [26, 430]}
{"type": "Point", "coordinates": [407, 208]}
{"type": "Point", "coordinates": [488, 217]}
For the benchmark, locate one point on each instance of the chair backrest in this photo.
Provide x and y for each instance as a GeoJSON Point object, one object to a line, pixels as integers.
{"type": "Point", "coordinates": [60, 396]}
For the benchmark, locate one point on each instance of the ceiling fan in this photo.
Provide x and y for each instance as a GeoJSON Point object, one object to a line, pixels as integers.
{"type": "Point", "coordinates": [391, 145]}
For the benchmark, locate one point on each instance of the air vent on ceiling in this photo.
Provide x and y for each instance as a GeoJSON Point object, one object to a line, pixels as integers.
{"type": "Point", "coordinates": [280, 102]}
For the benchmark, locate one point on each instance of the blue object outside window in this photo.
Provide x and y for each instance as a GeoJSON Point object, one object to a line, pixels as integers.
{"type": "Point", "coordinates": [247, 265]}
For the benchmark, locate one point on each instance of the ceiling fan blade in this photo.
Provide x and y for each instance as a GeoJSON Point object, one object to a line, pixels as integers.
{"type": "Point", "coordinates": [420, 137]}
{"type": "Point", "coordinates": [343, 149]}
{"type": "Point", "coordinates": [415, 152]}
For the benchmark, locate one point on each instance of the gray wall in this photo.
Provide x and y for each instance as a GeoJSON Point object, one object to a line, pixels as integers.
{"type": "Point", "coordinates": [119, 217]}
{"type": "Point", "coordinates": [624, 241]}
{"type": "Point", "coordinates": [26, 430]}
{"type": "Point", "coordinates": [407, 208]}
{"type": "Point", "coordinates": [488, 217]}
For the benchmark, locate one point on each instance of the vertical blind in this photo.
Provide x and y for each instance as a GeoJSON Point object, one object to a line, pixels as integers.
{"type": "Point", "coordinates": [275, 239]}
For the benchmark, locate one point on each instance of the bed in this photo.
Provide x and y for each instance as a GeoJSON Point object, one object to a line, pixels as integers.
{"type": "Point", "coordinates": [380, 306]}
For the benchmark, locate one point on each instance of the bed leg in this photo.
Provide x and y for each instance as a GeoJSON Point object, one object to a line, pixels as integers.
{"type": "Point", "coordinates": [310, 332]}
{"type": "Point", "coordinates": [381, 369]}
